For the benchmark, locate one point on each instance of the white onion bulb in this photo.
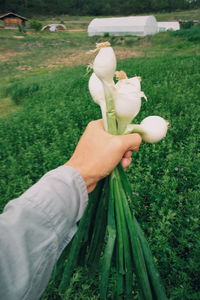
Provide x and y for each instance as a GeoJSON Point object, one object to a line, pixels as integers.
{"type": "Point", "coordinates": [154, 129]}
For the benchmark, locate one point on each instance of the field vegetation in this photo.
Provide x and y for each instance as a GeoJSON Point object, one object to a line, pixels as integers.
{"type": "Point", "coordinates": [44, 79]}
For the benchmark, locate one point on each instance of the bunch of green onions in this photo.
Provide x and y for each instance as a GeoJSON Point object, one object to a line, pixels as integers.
{"type": "Point", "coordinates": [109, 236]}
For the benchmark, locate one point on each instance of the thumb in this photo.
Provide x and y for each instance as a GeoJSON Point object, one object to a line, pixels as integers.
{"type": "Point", "coordinates": [131, 142]}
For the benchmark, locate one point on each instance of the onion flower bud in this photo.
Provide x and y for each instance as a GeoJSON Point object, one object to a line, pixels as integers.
{"type": "Point", "coordinates": [105, 63]}
{"type": "Point", "coordinates": [97, 92]}
{"type": "Point", "coordinates": [96, 89]}
{"type": "Point", "coordinates": [127, 99]}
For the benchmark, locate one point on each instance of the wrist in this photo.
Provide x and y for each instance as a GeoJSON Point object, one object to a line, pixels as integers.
{"type": "Point", "coordinates": [89, 180]}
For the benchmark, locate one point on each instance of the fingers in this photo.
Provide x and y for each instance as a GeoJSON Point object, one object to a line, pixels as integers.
{"type": "Point", "coordinates": [131, 142]}
{"type": "Point", "coordinates": [97, 124]}
{"type": "Point", "coordinates": [126, 162]}
{"type": "Point", "coordinates": [127, 158]}
{"type": "Point", "coordinates": [127, 154]}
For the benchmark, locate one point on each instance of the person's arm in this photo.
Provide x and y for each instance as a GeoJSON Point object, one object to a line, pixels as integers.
{"type": "Point", "coordinates": [36, 227]}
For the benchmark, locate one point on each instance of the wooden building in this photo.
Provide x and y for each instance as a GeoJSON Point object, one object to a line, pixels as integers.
{"type": "Point", "coordinates": [12, 20]}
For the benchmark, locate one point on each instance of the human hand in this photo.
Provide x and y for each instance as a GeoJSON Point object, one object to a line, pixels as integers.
{"type": "Point", "coordinates": [98, 153]}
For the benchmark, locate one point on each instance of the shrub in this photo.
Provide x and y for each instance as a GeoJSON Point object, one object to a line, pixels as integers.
{"type": "Point", "coordinates": [187, 24]}
{"type": "Point", "coordinates": [36, 25]}
{"type": "Point", "coordinates": [192, 34]}
{"type": "Point", "coordinates": [106, 34]}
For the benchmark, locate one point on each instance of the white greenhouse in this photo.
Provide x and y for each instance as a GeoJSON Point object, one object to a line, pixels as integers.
{"type": "Point", "coordinates": [139, 26]}
{"type": "Point", "coordinates": [164, 26]}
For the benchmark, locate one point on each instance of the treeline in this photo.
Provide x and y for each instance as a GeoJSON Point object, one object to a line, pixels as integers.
{"type": "Point", "coordinates": [94, 7]}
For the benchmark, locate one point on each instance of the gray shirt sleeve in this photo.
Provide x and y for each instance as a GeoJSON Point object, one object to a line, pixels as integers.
{"type": "Point", "coordinates": [35, 228]}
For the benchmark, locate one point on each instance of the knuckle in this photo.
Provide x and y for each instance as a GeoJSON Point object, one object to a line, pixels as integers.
{"type": "Point", "coordinates": [119, 143]}
{"type": "Point", "coordinates": [91, 124]}
{"type": "Point", "coordinates": [138, 138]}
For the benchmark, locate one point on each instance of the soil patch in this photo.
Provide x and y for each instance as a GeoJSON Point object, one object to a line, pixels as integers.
{"type": "Point", "coordinates": [9, 54]}
{"type": "Point", "coordinates": [123, 53]}
{"type": "Point", "coordinates": [80, 57]}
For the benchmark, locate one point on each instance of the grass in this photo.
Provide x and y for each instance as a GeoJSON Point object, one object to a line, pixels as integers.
{"type": "Point", "coordinates": [192, 34]}
{"type": "Point", "coordinates": [30, 52]}
{"type": "Point", "coordinates": [38, 53]}
{"type": "Point", "coordinates": [179, 15]}
{"type": "Point", "coordinates": [55, 107]}
{"type": "Point", "coordinates": [7, 105]}
{"type": "Point", "coordinates": [164, 179]}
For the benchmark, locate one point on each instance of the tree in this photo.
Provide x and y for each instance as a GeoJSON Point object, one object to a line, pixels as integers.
{"type": "Point", "coordinates": [94, 7]}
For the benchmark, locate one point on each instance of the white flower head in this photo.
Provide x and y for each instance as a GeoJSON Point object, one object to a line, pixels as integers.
{"type": "Point", "coordinates": [96, 89]}
{"type": "Point", "coordinates": [97, 92]}
{"type": "Point", "coordinates": [104, 65]}
{"type": "Point", "coordinates": [127, 100]}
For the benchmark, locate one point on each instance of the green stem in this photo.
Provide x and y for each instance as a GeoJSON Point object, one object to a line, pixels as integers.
{"type": "Point", "coordinates": [122, 125]}
{"type": "Point", "coordinates": [127, 264]}
{"type": "Point", "coordinates": [140, 267]}
{"type": "Point", "coordinates": [109, 248]}
{"type": "Point", "coordinates": [120, 226]}
{"type": "Point", "coordinates": [79, 239]}
{"type": "Point", "coordinates": [99, 229]}
{"type": "Point", "coordinates": [110, 107]}
{"type": "Point", "coordinates": [109, 89]}
{"type": "Point", "coordinates": [134, 128]}
{"type": "Point", "coordinates": [154, 276]}
{"type": "Point", "coordinates": [151, 267]}
{"type": "Point", "coordinates": [111, 122]}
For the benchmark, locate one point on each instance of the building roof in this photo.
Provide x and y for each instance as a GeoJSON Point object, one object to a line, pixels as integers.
{"type": "Point", "coordinates": [55, 25]}
{"type": "Point", "coordinates": [10, 14]}
{"type": "Point", "coordinates": [123, 21]}
{"type": "Point", "coordinates": [134, 25]}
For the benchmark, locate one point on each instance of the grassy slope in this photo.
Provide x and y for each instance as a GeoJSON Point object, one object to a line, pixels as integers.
{"type": "Point", "coordinates": [40, 53]}
{"type": "Point", "coordinates": [164, 178]}
{"type": "Point", "coordinates": [55, 109]}
{"type": "Point", "coordinates": [36, 52]}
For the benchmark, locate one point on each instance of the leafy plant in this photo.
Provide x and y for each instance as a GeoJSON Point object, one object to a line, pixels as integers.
{"type": "Point", "coordinates": [21, 28]}
{"type": "Point", "coordinates": [192, 34]}
{"type": "Point", "coordinates": [187, 24]}
{"type": "Point", "coordinates": [35, 24]}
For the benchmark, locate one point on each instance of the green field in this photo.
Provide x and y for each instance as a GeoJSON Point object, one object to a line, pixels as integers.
{"type": "Point", "coordinates": [52, 106]}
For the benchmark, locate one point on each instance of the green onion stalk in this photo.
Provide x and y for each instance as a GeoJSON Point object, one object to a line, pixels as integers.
{"type": "Point", "coordinates": [109, 236]}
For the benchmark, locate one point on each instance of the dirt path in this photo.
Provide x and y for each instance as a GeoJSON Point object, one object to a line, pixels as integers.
{"type": "Point", "coordinates": [9, 54]}
{"type": "Point", "coordinates": [80, 57]}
